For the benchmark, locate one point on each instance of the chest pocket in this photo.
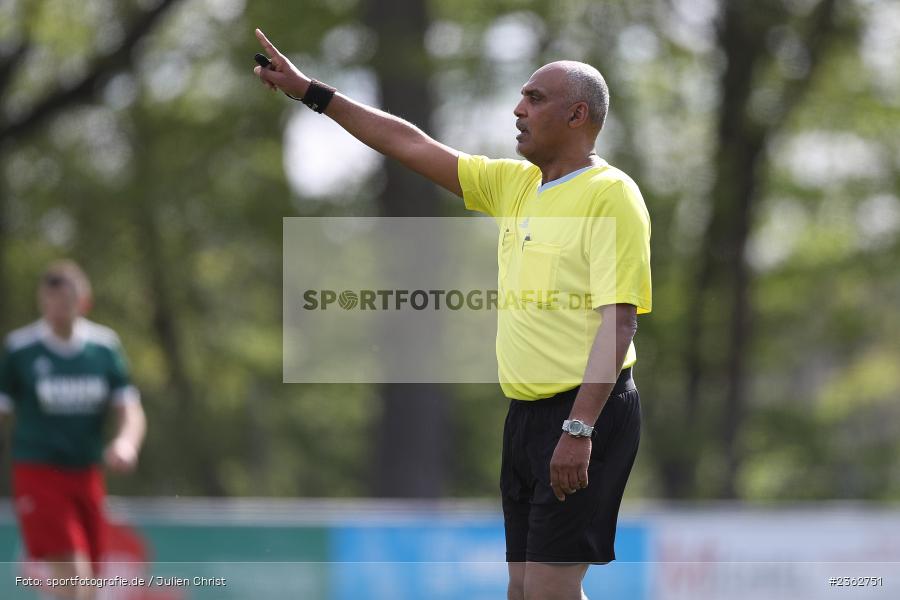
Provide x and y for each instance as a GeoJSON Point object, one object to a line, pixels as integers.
{"type": "Point", "coordinates": [538, 271]}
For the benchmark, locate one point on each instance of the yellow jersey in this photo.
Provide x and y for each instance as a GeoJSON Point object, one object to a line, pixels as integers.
{"type": "Point", "coordinates": [564, 249]}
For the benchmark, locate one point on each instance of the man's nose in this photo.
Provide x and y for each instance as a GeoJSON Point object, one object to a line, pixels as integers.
{"type": "Point", "coordinates": [519, 110]}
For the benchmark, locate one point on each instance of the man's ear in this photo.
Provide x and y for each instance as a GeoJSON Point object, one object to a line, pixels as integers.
{"type": "Point", "coordinates": [578, 114]}
{"type": "Point", "coordinates": [86, 303]}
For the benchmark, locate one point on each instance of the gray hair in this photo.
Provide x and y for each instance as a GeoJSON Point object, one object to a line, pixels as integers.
{"type": "Point", "coordinates": [586, 84]}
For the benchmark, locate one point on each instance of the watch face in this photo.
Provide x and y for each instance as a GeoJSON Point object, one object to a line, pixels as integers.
{"type": "Point", "coordinates": [576, 427]}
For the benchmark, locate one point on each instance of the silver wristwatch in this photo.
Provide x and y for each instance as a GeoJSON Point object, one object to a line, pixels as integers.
{"type": "Point", "coordinates": [577, 428]}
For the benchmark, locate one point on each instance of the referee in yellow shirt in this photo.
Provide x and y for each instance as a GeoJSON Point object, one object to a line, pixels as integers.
{"type": "Point", "coordinates": [574, 259]}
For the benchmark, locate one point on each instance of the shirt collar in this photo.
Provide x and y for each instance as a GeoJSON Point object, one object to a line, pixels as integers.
{"type": "Point", "coordinates": [58, 345]}
{"type": "Point", "coordinates": [546, 186]}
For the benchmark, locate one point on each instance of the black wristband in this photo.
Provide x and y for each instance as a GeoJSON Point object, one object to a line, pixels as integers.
{"type": "Point", "coordinates": [318, 95]}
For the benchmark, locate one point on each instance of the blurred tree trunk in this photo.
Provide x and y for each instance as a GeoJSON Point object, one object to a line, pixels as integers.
{"type": "Point", "coordinates": [183, 419]}
{"type": "Point", "coordinates": [719, 322]}
{"type": "Point", "coordinates": [412, 435]}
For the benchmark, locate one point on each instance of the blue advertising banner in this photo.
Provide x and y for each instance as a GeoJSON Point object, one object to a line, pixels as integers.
{"type": "Point", "coordinates": [453, 560]}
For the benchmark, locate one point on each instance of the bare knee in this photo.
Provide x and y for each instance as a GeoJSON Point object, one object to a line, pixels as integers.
{"type": "Point", "coordinates": [535, 591]}
{"type": "Point", "coordinates": [544, 592]}
{"type": "Point", "coordinates": [554, 582]}
{"type": "Point", "coordinates": [516, 588]}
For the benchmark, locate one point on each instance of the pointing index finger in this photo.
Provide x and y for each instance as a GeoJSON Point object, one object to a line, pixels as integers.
{"type": "Point", "coordinates": [272, 50]}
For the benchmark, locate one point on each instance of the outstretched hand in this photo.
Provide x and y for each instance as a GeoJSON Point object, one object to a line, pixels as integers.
{"type": "Point", "coordinates": [282, 74]}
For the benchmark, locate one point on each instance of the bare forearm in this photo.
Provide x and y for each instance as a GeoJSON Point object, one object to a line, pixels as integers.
{"type": "Point", "coordinates": [132, 424]}
{"type": "Point", "coordinates": [121, 455]}
{"type": "Point", "coordinates": [396, 138]}
{"type": "Point", "coordinates": [381, 131]}
{"type": "Point", "coordinates": [604, 364]}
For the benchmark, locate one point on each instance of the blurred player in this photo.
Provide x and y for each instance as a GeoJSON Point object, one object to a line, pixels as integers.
{"type": "Point", "coordinates": [61, 377]}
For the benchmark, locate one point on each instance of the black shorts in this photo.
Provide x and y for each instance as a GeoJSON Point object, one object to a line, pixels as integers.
{"type": "Point", "coordinates": [582, 529]}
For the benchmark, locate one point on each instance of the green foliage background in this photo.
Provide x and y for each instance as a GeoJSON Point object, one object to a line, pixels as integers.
{"type": "Point", "coordinates": [167, 182]}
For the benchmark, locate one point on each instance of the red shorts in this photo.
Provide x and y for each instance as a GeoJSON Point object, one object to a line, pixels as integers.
{"type": "Point", "coordinates": [60, 511]}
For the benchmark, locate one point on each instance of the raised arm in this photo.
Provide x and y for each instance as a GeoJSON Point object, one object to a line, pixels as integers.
{"type": "Point", "coordinates": [379, 130]}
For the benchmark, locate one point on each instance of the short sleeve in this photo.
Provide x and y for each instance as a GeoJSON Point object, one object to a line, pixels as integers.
{"type": "Point", "coordinates": [620, 249]}
{"type": "Point", "coordinates": [7, 381]}
{"type": "Point", "coordinates": [484, 181]}
{"type": "Point", "coordinates": [120, 384]}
